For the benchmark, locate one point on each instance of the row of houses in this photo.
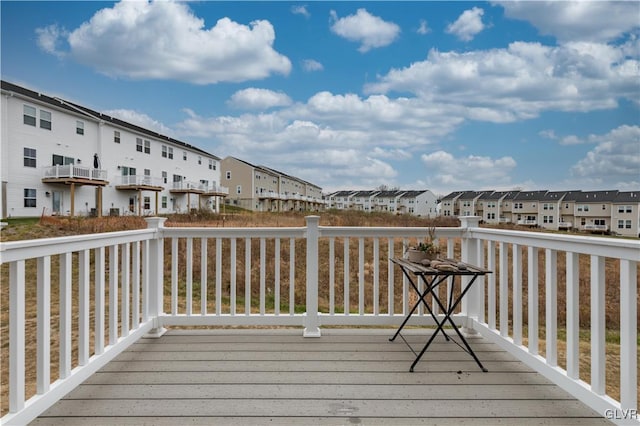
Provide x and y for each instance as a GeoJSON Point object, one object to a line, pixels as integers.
{"type": "Point", "coordinates": [62, 158]}
{"type": "Point", "coordinates": [422, 203]}
{"type": "Point", "coordinates": [592, 211]}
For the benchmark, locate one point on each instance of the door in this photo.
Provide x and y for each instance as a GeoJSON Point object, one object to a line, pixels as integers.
{"type": "Point", "coordinates": [56, 202]}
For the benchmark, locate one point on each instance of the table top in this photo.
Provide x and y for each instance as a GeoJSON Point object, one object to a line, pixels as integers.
{"type": "Point", "coordinates": [440, 267]}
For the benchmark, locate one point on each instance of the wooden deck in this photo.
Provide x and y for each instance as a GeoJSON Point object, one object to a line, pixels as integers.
{"type": "Point", "coordinates": [345, 377]}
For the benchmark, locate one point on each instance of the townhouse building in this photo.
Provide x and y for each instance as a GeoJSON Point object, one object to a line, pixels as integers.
{"type": "Point", "coordinates": [449, 205]}
{"type": "Point", "coordinates": [495, 206]}
{"type": "Point", "coordinates": [260, 188]}
{"type": "Point", "coordinates": [593, 210]}
{"type": "Point", "coordinates": [525, 207]}
{"type": "Point", "coordinates": [421, 203]}
{"type": "Point", "coordinates": [418, 203]}
{"type": "Point", "coordinates": [363, 201]}
{"type": "Point", "coordinates": [59, 157]}
{"type": "Point", "coordinates": [625, 213]}
{"type": "Point", "coordinates": [549, 209]}
{"type": "Point", "coordinates": [590, 211]}
{"type": "Point", "coordinates": [340, 200]}
{"type": "Point", "coordinates": [468, 205]}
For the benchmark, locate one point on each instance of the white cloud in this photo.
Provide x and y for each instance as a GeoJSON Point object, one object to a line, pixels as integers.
{"type": "Point", "coordinates": [140, 119]}
{"type": "Point", "coordinates": [50, 38]}
{"type": "Point", "coordinates": [300, 10]}
{"type": "Point", "coordinates": [468, 25]}
{"type": "Point", "coordinates": [311, 65]}
{"type": "Point", "coordinates": [253, 98]}
{"type": "Point", "coordinates": [577, 20]}
{"type": "Point", "coordinates": [371, 31]}
{"type": "Point", "coordinates": [447, 171]}
{"type": "Point", "coordinates": [520, 81]}
{"type": "Point", "coordinates": [165, 40]}
{"type": "Point", "coordinates": [616, 156]}
{"type": "Point", "coordinates": [423, 28]}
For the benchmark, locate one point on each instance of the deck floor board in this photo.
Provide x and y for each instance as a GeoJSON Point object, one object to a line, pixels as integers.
{"type": "Point", "coordinates": [345, 377]}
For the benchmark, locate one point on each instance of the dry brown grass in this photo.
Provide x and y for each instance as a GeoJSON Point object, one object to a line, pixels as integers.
{"type": "Point", "coordinates": [53, 227]}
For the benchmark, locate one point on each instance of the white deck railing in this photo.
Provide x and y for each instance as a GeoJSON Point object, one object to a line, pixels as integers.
{"type": "Point", "coordinates": [145, 280]}
{"type": "Point", "coordinates": [74, 171]}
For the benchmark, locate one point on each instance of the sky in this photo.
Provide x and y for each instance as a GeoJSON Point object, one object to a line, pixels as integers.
{"type": "Point", "coordinates": [437, 95]}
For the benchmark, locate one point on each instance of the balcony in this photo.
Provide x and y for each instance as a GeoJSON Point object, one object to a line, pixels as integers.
{"type": "Point", "coordinates": [216, 191]}
{"type": "Point", "coordinates": [269, 195]}
{"type": "Point", "coordinates": [596, 228]}
{"type": "Point", "coordinates": [72, 174]}
{"type": "Point", "coordinates": [121, 290]}
{"type": "Point", "coordinates": [527, 222]}
{"type": "Point", "coordinates": [565, 225]}
{"type": "Point", "coordinates": [187, 187]}
{"type": "Point", "coordinates": [139, 183]}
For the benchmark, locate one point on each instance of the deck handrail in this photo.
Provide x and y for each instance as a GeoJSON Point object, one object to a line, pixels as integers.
{"type": "Point", "coordinates": [196, 285]}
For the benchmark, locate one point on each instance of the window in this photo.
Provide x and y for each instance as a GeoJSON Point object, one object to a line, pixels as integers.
{"type": "Point", "coordinates": [79, 128]}
{"type": "Point", "coordinates": [164, 177]}
{"type": "Point", "coordinates": [624, 209]}
{"type": "Point", "coordinates": [621, 224]}
{"type": "Point", "coordinates": [599, 222]}
{"type": "Point", "coordinates": [59, 160]}
{"type": "Point", "coordinates": [116, 136]}
{"type": "Point", "coordinates": [147, 203]}
{"type": "Point", "coordinates": [627, 224]}
{"type": "Point", "coordinates": [29, 115]}
{"type": "Point", "coordinates": [29, 157]}
{"type": "Point", "coordinates": [199, 159]}
{"type": "Point", "coordinates": [228, 175]}
{"type": "Point", "coordinates": [138, 144]}
{"type": "Point", "coordinates": [164, 201]}
{"type": "Point", "coordinates": [167, 151]}
{"type": "Point", "coordinates": [212, 165]}
{"type": "Point", "coordinates": [239, 189]}
{"type": "Point", "coordinates": [29, 197]}
{"type": "Point", "coordinates": [184, 155]}
{"type": "Point", "coordinates": [147, 147]}
{"type": "Point", "coordinates": [45, 120]}
{"type": "Point", "coordinates": [128, 171]}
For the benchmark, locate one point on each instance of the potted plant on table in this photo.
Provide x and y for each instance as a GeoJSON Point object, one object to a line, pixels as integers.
{"type": "Point", "coordinates": [427, 249]}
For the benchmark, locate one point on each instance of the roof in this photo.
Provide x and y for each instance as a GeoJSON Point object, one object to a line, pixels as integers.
{"type": "Point", "coordinates": [413, 193]}
{"type": "Point", "coordinates": [627, 197]}
{"type": "Point", "coordinates": [596, 196]}
{"type": "Point", "coordinates": [341, 194]}
{"type": "Point", "coordinates": [452, 196]}
{"type": "Point", "coordinates": [530, 195]}
{"type": "Point", "coordinates": [365, 193]}
{"type": "Point", "coordinates": [553, 196]}
{"type": "Point", "coordinates": [497, 195]}
{"type": "Point", "coordinates": [470, 195]}
{"type": "Point", "coordinates": [95, 115]}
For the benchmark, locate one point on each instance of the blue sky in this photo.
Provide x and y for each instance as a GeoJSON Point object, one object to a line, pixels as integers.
{"type": "Point", "coordinates": [418, 95]}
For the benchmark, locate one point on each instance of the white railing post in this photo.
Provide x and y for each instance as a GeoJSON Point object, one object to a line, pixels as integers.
{"type": "Point", "coordinates": [311, 328]}
{"type": "Point", "coordinates": [156, 276]}
{"type": "Point", "coordinates": [471, 301]}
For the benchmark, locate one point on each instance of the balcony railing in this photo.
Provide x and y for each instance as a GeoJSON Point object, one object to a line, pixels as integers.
{"type": "Point", "coordinates": [74, 171]}
{"type": "Point", "coordinates": [144, 280]}
{"type": "Point", "coordinates": [599, 228]}
{"type": "Point", "coordinates": [137, 180]}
